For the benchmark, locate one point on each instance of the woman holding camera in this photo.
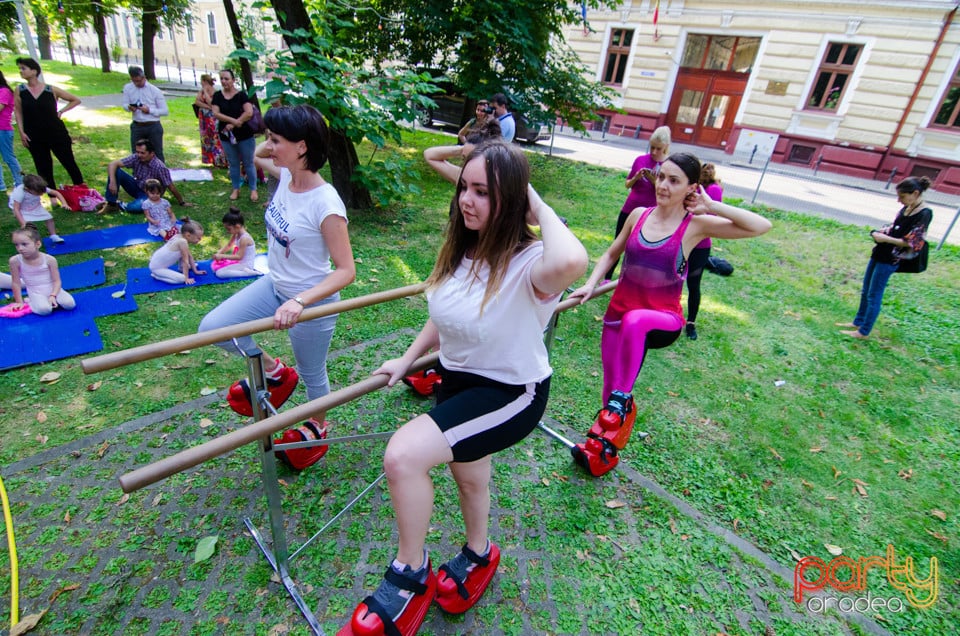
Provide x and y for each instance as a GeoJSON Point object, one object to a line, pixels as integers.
{"type": "Point", "coordinates": [484, 111]}
{"type": "Point", "coordinates": [906, 233]}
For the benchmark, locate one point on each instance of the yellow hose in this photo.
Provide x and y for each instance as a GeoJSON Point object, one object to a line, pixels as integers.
{"type": "Point", "coordinates": [14, 574]}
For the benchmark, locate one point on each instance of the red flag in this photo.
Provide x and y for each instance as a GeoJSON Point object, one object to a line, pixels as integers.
{"type": "Point", "coordinates": [656, 19]}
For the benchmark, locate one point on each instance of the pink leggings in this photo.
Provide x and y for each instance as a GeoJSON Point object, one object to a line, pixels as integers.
{"type": "Point", "coordinates": [624, 344]}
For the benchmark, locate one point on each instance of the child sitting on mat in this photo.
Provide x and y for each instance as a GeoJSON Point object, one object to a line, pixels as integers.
{"type": "Point", "coordinates": [161, 221]}
{"type": "Point", "coordinates": [28, 207]}
{"type": "Point", "coordinates": [39, 272]}
{"type": "Point", "coordinates": [235, 259]}
{"type": "Point", "coordinates": [177, 250]}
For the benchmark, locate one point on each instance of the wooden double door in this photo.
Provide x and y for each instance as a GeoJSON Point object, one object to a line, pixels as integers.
{"type": "Point", "coordinates": [704, 105]}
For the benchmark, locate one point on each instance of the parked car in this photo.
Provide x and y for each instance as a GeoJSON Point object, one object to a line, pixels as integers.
{"type": "Point", "coordinates": [451, 112]}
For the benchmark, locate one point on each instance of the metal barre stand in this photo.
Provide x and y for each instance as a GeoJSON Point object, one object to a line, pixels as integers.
{"type": "Point", "coordinates": [279, 557]}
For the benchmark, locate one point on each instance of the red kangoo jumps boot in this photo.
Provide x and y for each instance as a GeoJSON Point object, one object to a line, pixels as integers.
{"type": "Point", "coordinates": [455, 596]}
{"type": "Point", "coordinates": [280, 383]}
{"type": "Point", "coordinates": [597, 456]}
{"type": "Point", "coordinates": [300, 458]}
{"type": "Point", "coordinates": [424, 382]}
{"type": "Point", "coordinates": [370, 618]}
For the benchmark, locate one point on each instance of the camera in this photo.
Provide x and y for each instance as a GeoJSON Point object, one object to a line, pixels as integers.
{"type": "Point", "coordinates": [487, 109]}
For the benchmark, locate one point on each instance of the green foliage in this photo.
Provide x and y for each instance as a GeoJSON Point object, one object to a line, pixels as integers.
{"type": "Point", "coordinates": [515, 47]}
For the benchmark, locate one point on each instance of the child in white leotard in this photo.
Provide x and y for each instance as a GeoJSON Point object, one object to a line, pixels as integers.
{"type": "Point", "coordinates": [177, 250]}
{"type": "Point", "coordinates": [28, 207]}
{"type": "Point", "coordinates": [39, 272]}
{"type": "Point", "coordinates": [235, 259]}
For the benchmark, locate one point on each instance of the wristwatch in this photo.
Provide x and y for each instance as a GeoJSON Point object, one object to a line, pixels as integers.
{"type": "Point", "coordinates": [299, 301]}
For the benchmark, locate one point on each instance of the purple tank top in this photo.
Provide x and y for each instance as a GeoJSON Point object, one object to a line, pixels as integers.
{"type": "Point", "coordinates": [648, 277]}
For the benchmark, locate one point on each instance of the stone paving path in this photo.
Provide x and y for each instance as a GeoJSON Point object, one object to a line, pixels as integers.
{"type": "Point", "coordinates": [581, 556]}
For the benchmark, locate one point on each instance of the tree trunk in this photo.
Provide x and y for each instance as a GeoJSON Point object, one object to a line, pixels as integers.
{"type": "Point", "coordinates": [149, 32]}
{"type": "Point", "coordinates": [245, 71]}
{"type": "Point", "coordinates": [344, 162]}
{"type": "Point", "coordinates": [100, 26]}
{"type": "Point", "coordinates": [43, 36]}
{"type": "Point", "coordinates": [73, 59]}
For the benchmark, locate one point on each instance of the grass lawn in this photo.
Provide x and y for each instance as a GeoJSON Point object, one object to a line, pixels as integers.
{"type": "Point", "coordinates": [771, 424]}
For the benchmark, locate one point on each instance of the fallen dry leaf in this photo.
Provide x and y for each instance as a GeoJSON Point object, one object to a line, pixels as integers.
{"type": "Point", "coordinates": [50, 377]}
{"type": "Point", "coordinates": [562, 478]}
{"type": "Point", "coordinates": [673, 394]}
{"type": "Point", "coordinates": [736, 524]}
{"type": "Point", "coordinates": [905, 474]}
{"type": "Point", "coordinates": [110, 263]}
{"type": "Point", "coordinates": [96, 385]}
{"type": "Point", "coordinates": [282, 482]}
{"type": "Point", "coordinates": [776, 454]}
{"type": "Point", "coordinates": [806, 484]}
{"type": "Point", "coordinates": [41, 417]}
{"type": "Point", "coordinates": [66, 517]}
{"type": "Point", "coordinates": [42, 438]}
{"type": "Point", "coordinates": [796, 556]}
{"type": "Point", "coordinates": [174, 303]}
{"type": "Point", "coordinates": [939, 514]}
{"type": "Point", "coordinates": [207, 391]}
{"type": "Point", "coordinates": [673, 526]}
{"type": "Point", "coordinates": [26, 624]}
{"type": "Point", "coordinates": [613, 504]}
{"type": "Point", "coordinates": [157, 500]}
{"type": "Point", "coordinates": [816, 449]}
{"type": "Point", "coordinates": [102, 449]}
{"type": "Point", "coordinates": [836, 472]}
{"type": "Point", "coordinates": [859, 488]}
{"type": "Point", "coordinates": [124, 499]}
{"type": "Point", "coordinates": [830, 498]}
{"type": "Point", "coordinates": [937, 535]}
{"type": "Point", "coordinates": [278, 630]}
{"type": "Point", "coordinates": [209, 361]}
{"type": "Point", "coordinates": [835, 550]}
{"type": "Point", "coordinates": [206, 422]}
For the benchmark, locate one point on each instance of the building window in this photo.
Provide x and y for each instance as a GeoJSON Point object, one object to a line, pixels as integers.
{"type": "Point", "coordinates": [170, 33]}
{"type": "Point", "coordinates": [116, 33]}
{"type": "Point", "coordinates": [191, 38]}
{"type": "Point", "coordinates": [833, 76]}
{"type": "Point", "coordinates": [618, 52]}
{"type": "Point", "coordinates": [212, 28]}
{"type": "Point", "coordinates": [720, 53]}
{"type": "Point", "coordinates": [950, 104]}
{"type": "Point", "coordinates": [160, 32]}
{"type": "Point", "coordinates": [126, 32]}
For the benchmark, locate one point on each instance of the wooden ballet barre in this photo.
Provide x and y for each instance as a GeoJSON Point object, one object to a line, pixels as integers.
{"type": "Point", "coordinates": [192, 341]}
{"type": "Point", "coordinates": [152, 473]}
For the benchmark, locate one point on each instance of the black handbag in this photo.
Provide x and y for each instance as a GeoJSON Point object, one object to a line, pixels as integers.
{"type": "Point", "coordinates": [719, 266]}
{"type": "Point", "coordinates": [912, 262]}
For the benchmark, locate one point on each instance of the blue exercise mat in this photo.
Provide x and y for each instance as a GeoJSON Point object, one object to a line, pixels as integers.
{"type": "Point", "coordinates": [34, 339]}
{"type": "Point", "coordinates": [77, 276]}
{"type": "Point", "coordinates": [118, 236]}
{"type": "Point", "coordinates": [139, 280]}
{"type": "Point", "coordinates": [101, 302]}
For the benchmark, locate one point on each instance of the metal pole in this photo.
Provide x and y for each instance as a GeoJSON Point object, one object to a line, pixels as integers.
{"type": "Point", "coordinates": [762, 172]}
{"type": "Point", "coordinates": [22, 17]}
{"type": "Point", "coordinates": [950, 227]}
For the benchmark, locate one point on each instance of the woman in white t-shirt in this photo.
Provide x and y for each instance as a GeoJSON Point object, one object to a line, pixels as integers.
{"type": "Point", "coordinates": [491, 294]}
{"type": "Point", "coordinates": [308, 253]}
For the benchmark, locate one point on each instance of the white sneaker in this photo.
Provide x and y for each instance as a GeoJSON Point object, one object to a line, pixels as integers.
{"type": "Point", "coordinates": [55, 238]}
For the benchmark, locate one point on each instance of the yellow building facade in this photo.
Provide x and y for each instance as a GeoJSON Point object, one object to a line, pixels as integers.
{"type": "Point", "coordinates": [857, 87]}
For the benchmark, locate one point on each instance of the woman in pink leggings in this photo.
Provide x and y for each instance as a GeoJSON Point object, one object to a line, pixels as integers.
{"type": "Point", "coordinates": [645, 311]}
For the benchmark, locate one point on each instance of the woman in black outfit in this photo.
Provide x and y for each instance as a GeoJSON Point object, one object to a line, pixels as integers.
{"type": "Point", "coordinates": [41, 129]}
{"type": "Point", "coordinates": [906, 233]}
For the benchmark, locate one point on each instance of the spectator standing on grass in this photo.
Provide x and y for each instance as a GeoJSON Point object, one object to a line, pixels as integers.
{"type": "Point", "coordinates": [148, 105]}
{"type": "Point", "coordinates": [6, 135]}
{"type": "Point", "coordinates": [642, 182]}
{"type": "Point", "coordinates": [211, 151]}
{"type": "Point", "coordinates": [234, 109]}
{"type": "Point", "coordinates": [145, 165]}
{"type": "Point", "coordinates": [907, 232]}
{"type": "Point", "coordinates": [508, 125]}
{"type": "Point", "coordinates": [698, 257]}
{"type": "Point", "coordinates": [41, 130]}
